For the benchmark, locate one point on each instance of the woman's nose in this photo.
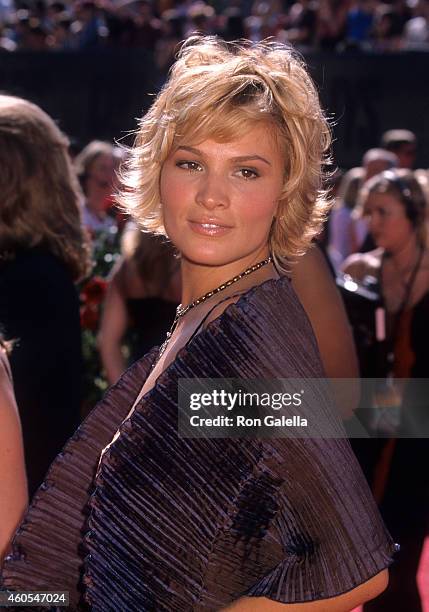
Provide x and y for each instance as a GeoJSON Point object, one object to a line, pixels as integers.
{"type": "Point", "coordinates": [373, 222]}
{"type": "Point", "coordinates": [212, 192]}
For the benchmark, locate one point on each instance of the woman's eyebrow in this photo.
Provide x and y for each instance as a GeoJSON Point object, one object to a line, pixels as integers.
{"type": "Point", "coordinates": [241, 158]}
{"type": "Point", "coordinates": [251, 158]}
{"type": "Point", "coordinates": [190, 150]}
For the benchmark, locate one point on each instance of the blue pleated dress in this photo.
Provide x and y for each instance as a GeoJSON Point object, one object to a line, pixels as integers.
{"type": "Point", "coordinates": [168, 524]}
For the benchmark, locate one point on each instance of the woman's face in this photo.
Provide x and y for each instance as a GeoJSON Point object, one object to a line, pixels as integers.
{"type": "Point", "coordinates": [388, 223]}
{"type": "Point", "coordinates": [219, 199]}
{"type": "Point", "coordinates": [100, 177]}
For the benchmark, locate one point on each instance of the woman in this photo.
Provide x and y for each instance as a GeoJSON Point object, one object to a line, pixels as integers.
{"type": "Point", "coordinates": [141, 300]}
{"type": "Point", "coordinates": [43, 252]}
{"type": "Point", "coordinates": [13, 483]}
{"type": "Point", "coordinates": [227, 163]}
{"type": "Point", "coordinates": [394, 204]}
{"type": "Point", "coordinates": [96, 165]}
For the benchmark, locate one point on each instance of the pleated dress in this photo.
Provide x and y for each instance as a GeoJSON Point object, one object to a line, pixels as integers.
{"type": "Point", "coordinates": [169, 524]}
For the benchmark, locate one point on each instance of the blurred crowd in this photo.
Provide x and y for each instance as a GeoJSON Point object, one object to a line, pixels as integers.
{"type": "Point", "coordinates": [348, 230]}
{"type": "Point", "coordinates": [159, 25]}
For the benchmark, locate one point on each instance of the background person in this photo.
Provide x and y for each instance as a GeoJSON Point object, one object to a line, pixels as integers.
{"type": "Point", "coordinates": [141, 300]}
{"type": "Point", "coordinates": [43, 251]}
{"type": "Point", "coordinates": [346, 232]}
{"type": "Point", "coordinates": [95, 166]}
{"type": "Point", "coordinates": [394, 205]}
{"type": "Point", "coordinates": [403, 144]}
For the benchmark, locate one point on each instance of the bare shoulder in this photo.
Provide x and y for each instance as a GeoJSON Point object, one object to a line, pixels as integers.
{"type": "Point", "coordinates": [13, 483]}
{"type": "Point", "coordinates": [5, 372]}
{"type": "Point", "coordinates": [315, 286]}
{"type": "Point", "coordinates": [360, 265]}
{"type": "Point", "coordinates": [7, 398]}
{"type": "Point", "coordinates": [126, 279]}
{"type": "Point", "coordinates": [311, 273]}
{"type": "Point", "coordinates": [313, 259]}
{"type": "Point", "coordinates": [311, 279]}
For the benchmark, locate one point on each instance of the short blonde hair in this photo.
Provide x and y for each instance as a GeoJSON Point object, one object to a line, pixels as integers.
{"type": "Point", "coordinates": [39, 201]}
{"type": "Point", "coordinates": [217, 89]}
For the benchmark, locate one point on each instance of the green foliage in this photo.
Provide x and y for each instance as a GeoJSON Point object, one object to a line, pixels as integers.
{"type": "Point", "coordinates": [106, 252]}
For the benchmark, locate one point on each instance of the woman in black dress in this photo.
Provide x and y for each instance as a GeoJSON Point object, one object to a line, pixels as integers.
{"type": "Point", "coordinates": [228, 164]}
{"type": "Point", "coordinates": [43, 252]}
{"type": "Point", "coordinates": [141, 300]}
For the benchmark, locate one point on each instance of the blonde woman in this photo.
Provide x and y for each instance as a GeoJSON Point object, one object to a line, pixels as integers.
{"type": "Point", "coordinates": [227, 163]}
{"type": "Point", "coordinates": [43, 251]}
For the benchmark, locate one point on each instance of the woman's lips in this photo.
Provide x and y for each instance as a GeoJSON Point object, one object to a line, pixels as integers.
{"type": "Point", "coordinates": [209, 229]}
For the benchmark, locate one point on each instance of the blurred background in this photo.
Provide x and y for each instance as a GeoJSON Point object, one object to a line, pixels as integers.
{"type": "Point", "coordinates": [92, 64]}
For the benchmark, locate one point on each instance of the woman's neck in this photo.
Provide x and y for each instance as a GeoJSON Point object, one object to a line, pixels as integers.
{"type": "Point", "coordinates": [96, 208]}
{"type": "Point", "coordinates": [405, 257]}
{"type": "Point", "coordinates": [197, 279]}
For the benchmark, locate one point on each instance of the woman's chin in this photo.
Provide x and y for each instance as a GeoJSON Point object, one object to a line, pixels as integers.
{"type": "Point", "coordinates": [217, 257]}
{"type": "Point", "coordinates": [381, 244]}
{"type": "Point", "coordinates": [206, 259]}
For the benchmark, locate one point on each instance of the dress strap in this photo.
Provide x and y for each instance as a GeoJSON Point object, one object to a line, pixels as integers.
{"type": "Point", "coordinates": [203, 320]}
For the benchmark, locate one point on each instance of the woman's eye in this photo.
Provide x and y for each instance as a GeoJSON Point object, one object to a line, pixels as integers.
{"type": "Point", "coordinates": [189, 165]}
{"type": "Point", "coordinates": [248, 173]}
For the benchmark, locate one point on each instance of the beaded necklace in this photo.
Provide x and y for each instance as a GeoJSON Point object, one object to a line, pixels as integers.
{"type": "Point", "coordinates": [182, 310]}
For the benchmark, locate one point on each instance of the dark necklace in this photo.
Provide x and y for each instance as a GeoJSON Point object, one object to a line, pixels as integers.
{"type": "Point", "coordinates": [182, 310]}
{"type": "Point", "coordinates": [407, 272]}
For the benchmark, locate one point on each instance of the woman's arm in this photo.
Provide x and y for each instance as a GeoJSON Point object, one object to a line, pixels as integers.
{"type": "Point", "coordinates": [322, 302]}
{"type": "Point", "coordinates": [356, 266]}
{"type": "Point", "coordinates": [343, 603]}
{"type": "Point", "coordinates": [360, 265]}
{"type": "Point", "coordinates": [13, 481]}
{"type": "Point", "coordinates": [114, 323]}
